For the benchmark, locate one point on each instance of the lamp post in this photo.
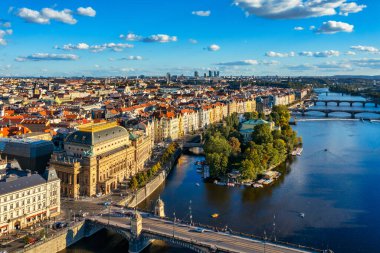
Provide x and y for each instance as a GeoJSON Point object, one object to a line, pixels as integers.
{"type": "Point", "coordinates": [265, 239]}
{"type": "Point", "coordinates": [173, 222]}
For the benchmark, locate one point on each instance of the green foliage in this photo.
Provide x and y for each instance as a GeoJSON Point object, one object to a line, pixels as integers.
{"type": "Point", "coordinates": [262, 134]}
{"type": "Point", "coordinates": [280, 115]}
{"type": "Point", "coordinates": [142, 178]}
{"type": "Point", "coordinates": [251, 115]}
{"type": "Point", "coordinates": [218, 164]}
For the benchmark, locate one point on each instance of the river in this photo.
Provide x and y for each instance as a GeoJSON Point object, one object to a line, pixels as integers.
{"type": "Point", "coordinates": [335, 183]}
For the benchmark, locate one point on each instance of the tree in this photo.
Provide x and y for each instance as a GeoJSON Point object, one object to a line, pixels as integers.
{"type": "Point", "coordinates": [235, 146]}
{"type": "Point", "coordinates": [133, 184]}
{"type": "Point", "coordinates": [218, 164]}
{"type": "Point", "coordinates": [217, 144]}
{"type": "Point", "coordinates": [250, 115]}
{"type": "Point", "coordinates": [262, 134]}
{"type": "Point", "coordinates": [248, 170]}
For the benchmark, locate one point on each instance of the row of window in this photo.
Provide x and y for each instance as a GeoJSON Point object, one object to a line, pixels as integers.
{"type": "Point", "coordinates": [22, 194]}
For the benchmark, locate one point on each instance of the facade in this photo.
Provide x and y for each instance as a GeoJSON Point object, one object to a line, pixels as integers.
{"type": "Point", "coordinates": [98, 157]}
{"type": "Point", "coordinates": [27, 200]}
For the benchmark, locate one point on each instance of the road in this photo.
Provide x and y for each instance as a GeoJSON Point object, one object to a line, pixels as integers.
{"type": "Point", "coordinates": [214, 239]}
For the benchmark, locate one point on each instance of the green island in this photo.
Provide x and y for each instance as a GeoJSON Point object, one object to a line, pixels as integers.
{"type": "Point", "coordinates": [268, 145]}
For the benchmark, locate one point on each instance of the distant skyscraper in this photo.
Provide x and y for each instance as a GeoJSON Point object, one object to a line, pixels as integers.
{"type": "Point", "coordinates": [204, 75]}
{"type": "Point", "coordinates": [217, 73]}
{"type": "Point", "coordinates": [196, 74]}
{"type": "Point", "coordinates": [209, 73]}
{"type": "Point", "coordinates": [168, 78]}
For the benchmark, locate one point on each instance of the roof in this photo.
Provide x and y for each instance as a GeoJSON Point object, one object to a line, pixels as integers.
{"type": "Point", "coordinates": [250, 124]}
{"type": "Point", "coordinates": [85, 136]}
{"type": "Point", "coordinates": [21, 183]}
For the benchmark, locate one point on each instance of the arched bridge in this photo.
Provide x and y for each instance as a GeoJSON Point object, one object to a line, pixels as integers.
{"type": "Point", "coordinates": [186, 236]}
{"type": "Point", "coordinates": [353, 113]}
{"type": "Point", "coordinates": [338, 102]}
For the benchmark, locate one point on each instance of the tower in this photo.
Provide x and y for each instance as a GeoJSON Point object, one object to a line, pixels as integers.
{"type": "Point", "coordinates": [136, 224]}
{"type": "Point", "coordinates": [159, 209]}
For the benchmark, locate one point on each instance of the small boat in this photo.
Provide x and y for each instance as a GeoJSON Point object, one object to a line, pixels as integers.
{"type": "Point", "coordinates": [197, 184]}
{"type": "Point", "coordinates": [215, 215]}
{"type": "Point", "coordinates": [325, 149]}
{"type": "Point", "coordinates": [302, 215]}
{"type": "Point", "coordinates": [199, 170]}
{"type": "Point", "coordinates": [299, 151]}
{"type": "Point", "coordinates": [257, 186]}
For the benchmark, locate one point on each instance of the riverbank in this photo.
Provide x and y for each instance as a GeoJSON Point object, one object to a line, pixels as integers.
{"type": "Point", "coordinates": [141, 194]}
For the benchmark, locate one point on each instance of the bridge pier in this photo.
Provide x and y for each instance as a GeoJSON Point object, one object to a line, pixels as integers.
{"type": "Point", "coordinates": [326, 114]}
{"type": "Point", "coordinates": [352, 115]}
{"type": "Point", "coordinates": [351, 104]}
{"type": "Point", "coordinates": [326, 103]}
{"type": "Point", "coordinates": [363, 104]}
{"type": "Point", "coordinates": [136, 245]}
{"type": "Point", "coordinates": [337, 103]}
{"type": "Point", "coordinates": [376, 105]}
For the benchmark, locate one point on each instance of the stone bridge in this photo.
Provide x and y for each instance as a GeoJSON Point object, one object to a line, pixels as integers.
{"type": "Point", "coordinates": [353, 113]}
{"type": "Point", "coordinates": [140, 232]}
{"type": "Point", "coordinates": [338, 102]}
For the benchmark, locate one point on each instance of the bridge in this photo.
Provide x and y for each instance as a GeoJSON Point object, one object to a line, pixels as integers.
{"type": "Point", "coordinates": [140, 232]}
{"type": "Point", "coordinates": [338, 102]}
{"type": "Point", "coordinates": [353, 113]}
{"type": "Point", "coordinates": [192, 141]}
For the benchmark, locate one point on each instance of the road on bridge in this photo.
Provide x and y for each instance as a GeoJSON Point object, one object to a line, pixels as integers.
{"type": "Point", "coordinates": [214, 239]}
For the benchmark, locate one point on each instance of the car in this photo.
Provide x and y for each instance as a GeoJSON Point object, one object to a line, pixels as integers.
{"type": "Point", "coordinates": [199, 230]}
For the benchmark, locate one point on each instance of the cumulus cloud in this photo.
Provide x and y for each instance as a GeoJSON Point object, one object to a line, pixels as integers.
{"type": "Point", "coordinates": [293, 9]}
{"type": "Point", "coordinates": [213, 48]}
{"type": "Point", "coordinates": [193, 41]}
{"type": "Point", "coordinates": [347, 8]}
{"type": "Point", "coordinates": [201, 13]}
{"type": "Point", "coordinates": [327, 53]}
{"type": "Point", "coordinates": [132, 58]}
{"type": "Point", "coordinates": [280, 55]}
{"type": "Point", "coordinates": [332, 27]}
{"type": "Point", "coordinates": [334, 65]}
{"type": "Point", "coordinates": [3, 34]}
{"type": "Point", "coordinates": [160, 38]}
{"type": "Point", "coordinates": [117, 47]}
{"type": "Point", "coordinates": [350, 53]}
{"type": "Point", "coordinates": [368, 49]}
{"type": "Point", "coordinates": [372, 63]}
{"type": "Point", "coordinates": [239, 63]}
{"type": "Point", "coordinates": [86, 11]}
{"type": "Point", "coordinates": [46, 15]}
{"type": "Point", "coordinates": [48, 57]}
{"type": "Point", "coordinates": [299, 28]}
{"type": "Point", "coordinates": [301, 67]}
{"type": "Point", "coordinates": [6, 24]}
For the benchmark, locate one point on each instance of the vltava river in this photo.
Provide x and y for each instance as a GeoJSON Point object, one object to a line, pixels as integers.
{"type": "Point", "coordinates": [335, 183]}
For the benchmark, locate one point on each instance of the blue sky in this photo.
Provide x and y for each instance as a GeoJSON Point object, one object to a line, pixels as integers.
{"type": "Point", "coordinates": [237, 37]}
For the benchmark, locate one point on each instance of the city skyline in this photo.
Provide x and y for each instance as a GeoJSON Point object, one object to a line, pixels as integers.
{"type": "Point", "coordinates": [235, 37]}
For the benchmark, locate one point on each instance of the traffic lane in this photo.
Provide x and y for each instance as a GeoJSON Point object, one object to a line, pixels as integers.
{"type": "Point", "coordinates": [221, 240]}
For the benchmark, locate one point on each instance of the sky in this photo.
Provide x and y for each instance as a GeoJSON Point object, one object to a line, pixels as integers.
{"type": "Point", "coordinates": [153, 37]}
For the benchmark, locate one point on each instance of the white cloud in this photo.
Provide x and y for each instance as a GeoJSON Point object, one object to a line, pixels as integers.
{"type": "Point", "coordinates": [132, 58]}
{"type": "Point", "coordinates": [161, 38]}
{"type": "Point", "coordinates": [347, 8]}
{"type": "Point", "coordinates": [46, 15]}
{"type": "Point", "coordinates": [48, 57]}
{"type": "Point", "coordinates": [280, 55]}
{"type": "Point", "coordinates": [327, 53]}
{"type": "Point", "coordinates": [64, 16]}
{"type": "Point", "coordinates": [369, 49]}
{"type": "Point", "coordinates": [312, 28]}
{"type": "Point", "coordinates": [86, 11]}
{"type": "Point", "coordinates": [3, 33]}
{"type": "Point", "coordinates": [293, 9]}
{"type": "Point", "coordinates": [213, 48]}
{"type": "Point", "coordinates": [372, 63]}
{"type": "Point", "coordinates": [201, 13]}
{"type": "Point", "coordinates": [117, 47]}
{"type": "Point", "coordinates": [350, 53]}
{"type": "Point", "coordinates": [335, 65]}
{"type": "Point", "coordinates": [239, 63]}
{"type": "Point", "coordinates": [193, 41]}
{"type": "Point", "coordinates": [332, 27]}
{"type": "Point", "coordinates": [299, 28]}
{"type": "Point", "coordinates": [7, 24]}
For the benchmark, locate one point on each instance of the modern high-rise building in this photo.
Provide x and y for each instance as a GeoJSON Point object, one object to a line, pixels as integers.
{"type": "Point", "coordinates": [209, 73]}
{"type": "Point", "coordinates": [168, 78]}
{"type": "Point", "coordinates": [196, 74]}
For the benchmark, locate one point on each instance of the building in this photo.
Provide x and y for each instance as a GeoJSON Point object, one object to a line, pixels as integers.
{"type": "Point", "coordinates": [32, 154]}
{"type": "Point", "coordinates": [96, 158]}
{"type": "Point", "coordinates": [27, 200]}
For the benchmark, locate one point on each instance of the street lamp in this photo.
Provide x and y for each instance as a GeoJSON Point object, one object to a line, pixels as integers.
{"type": "Point", "coordinates": [265, 239]}
{"type": "Point", "coordinates": [173, 222]}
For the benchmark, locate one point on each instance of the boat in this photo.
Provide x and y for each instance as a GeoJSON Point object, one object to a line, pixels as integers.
{"type": "Point", "coordinates": [199, 170]}
{"type": "Point", "coordinates": [231, 184]}
{"type": "Point", "coordinates": [267, 182]}
{"type": "Point", "coordinates": [215, 215]}
{"type": "Point", "coordinates": [257, 186]}
{"type": "Point", "coordinates": [302, 215]}
{"type": "Point", "coordinates": [325, 149]}
{"type": "Point", "coordinates": [299, 151]}
{"type": "Point", "coordinates": [197, 184]}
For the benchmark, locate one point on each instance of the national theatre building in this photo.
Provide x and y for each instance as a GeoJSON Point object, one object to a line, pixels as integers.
{"type": "Point", "coordinates": [97, 157]}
